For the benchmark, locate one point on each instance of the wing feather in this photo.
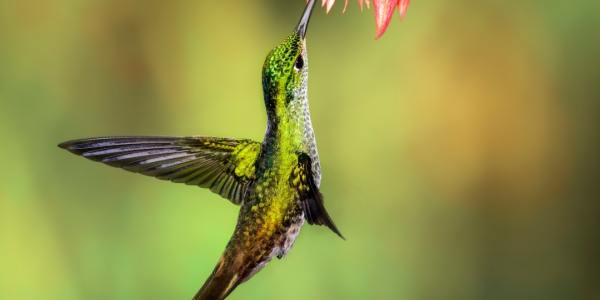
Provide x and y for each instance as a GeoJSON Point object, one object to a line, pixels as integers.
{"type": "Point", "coordinates": [302, 180]}
{"type": "Point", "coordinates": [203, 161]}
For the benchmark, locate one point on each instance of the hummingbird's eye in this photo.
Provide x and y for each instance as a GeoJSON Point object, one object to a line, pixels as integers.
{"type": "Point", "coordinates": [299, 63]}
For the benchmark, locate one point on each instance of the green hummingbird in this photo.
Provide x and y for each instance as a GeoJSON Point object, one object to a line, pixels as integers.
{"type": "Point", "coordinates": [275, 182]}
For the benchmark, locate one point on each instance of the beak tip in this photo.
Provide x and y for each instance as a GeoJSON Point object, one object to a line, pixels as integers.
{"type": "Point", "coordinates": [303, 24]}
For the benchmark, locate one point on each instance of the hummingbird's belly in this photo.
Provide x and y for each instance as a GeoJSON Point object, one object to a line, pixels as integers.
{"type": "Point", "coordinates": [271, 218]}
{"type": "Point", "coordinates": [282, 243]}
{"type": "Point", "coordinates": [288, 238]}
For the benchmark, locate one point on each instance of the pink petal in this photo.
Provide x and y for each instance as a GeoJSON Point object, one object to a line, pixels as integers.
{"type": "Point", "coordinates": [403, 7]}
{"type": "Point", "coordinates": [384, 10]}
{"type": "Point", "coordinates": [328, 4]}
{"type": "Point", "coordinates": [363, 2]}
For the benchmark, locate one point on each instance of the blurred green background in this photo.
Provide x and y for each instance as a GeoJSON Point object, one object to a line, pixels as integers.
{"type": "Point", "coordinates": [459, 152]}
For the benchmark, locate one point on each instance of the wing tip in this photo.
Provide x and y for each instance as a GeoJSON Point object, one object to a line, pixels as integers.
{"type": "Point", "coordinates": [65, 145]}
{"type": "Point", "coordinates": [68, 145]}
{"type": "Point", "coordinates": [74, 146]}
{"type": "Point", "coordinates": [327, 221]}
{"type": "Point", "coordinates": [337, 231]}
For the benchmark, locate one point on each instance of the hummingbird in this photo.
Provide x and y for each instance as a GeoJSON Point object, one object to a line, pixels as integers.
{"type": "Point", "coordinates": [275, 182]}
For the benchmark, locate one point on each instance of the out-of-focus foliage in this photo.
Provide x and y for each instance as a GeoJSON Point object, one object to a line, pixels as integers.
{"type": "Point", "coordinates": [459, 153]}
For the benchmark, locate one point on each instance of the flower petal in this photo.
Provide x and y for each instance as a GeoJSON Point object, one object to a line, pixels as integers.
{"type": "Point", "coordinates": [384, 9]}
{"type": "Point", "coordinates": [403, 7]}
{"type": "Point", "coordinates": [328, 4]}
{"type": "Point", "coordinates": [362, 3]}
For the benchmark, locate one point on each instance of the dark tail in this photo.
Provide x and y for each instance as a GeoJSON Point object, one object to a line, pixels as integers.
{"type": "Point", "coordinates": [223, 280]}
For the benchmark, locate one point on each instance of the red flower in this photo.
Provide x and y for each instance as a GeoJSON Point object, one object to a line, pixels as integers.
{"type": "Point", "coordinates": [384, 10]}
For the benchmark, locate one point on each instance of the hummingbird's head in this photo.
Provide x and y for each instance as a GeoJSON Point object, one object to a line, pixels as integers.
{"type": "Point", "coordinates": [285, 71]}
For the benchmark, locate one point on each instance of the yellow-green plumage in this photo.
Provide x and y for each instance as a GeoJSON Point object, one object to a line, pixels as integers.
{"type": "Point", "coordinates": [275, 182]}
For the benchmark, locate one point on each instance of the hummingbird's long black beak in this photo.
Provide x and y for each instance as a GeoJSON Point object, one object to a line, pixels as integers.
{"type": "Point", "coordinates": [303, 24]}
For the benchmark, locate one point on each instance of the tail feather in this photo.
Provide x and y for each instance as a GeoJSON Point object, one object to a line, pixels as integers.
{"type": "Point", "coordinates": [220, 284]}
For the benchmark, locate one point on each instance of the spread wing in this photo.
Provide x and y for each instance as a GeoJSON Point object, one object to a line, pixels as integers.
{"type": "Point", "coordinates": [312, 201]}
{"type": "Point", "coordinates": [225, 166]}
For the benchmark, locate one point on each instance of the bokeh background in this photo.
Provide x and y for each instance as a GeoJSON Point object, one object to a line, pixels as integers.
{"type": "Point", "coordinates": [460, 151]}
